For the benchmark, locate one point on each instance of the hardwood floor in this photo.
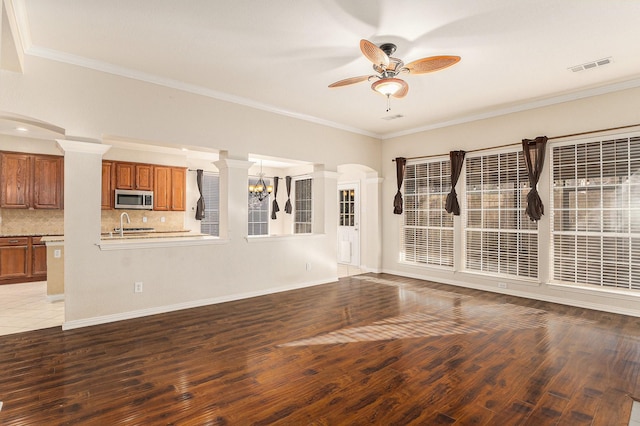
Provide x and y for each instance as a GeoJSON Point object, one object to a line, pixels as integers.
{"type": "Point", "coordinates": [369, 349]}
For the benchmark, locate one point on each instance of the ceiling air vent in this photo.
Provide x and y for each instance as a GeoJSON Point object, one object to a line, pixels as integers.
{"type": "Point", "coordinates": [591, 65]}
{"type": "Point", "coordinates": [392, 117]}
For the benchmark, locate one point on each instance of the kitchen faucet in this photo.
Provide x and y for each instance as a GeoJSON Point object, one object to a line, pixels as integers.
{"type": "Point", "coordinates": [121, 225]}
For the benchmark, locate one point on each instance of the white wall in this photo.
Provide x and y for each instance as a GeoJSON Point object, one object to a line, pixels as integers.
{"type": "Point", "coordinates": [99, 106]}
{"type": "Point", "coordinates": [601, 112]}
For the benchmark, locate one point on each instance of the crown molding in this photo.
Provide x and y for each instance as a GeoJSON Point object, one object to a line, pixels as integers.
{"type": "Point", "coordinates": [105, 67]}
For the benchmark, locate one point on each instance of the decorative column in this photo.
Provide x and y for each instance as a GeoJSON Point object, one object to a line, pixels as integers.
{"type": "Point", "coordinates": [234, 192]}
{"type": "Point", "coordinates": [82, 214]}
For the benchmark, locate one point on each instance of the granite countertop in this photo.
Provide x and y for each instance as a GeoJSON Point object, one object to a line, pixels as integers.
{"type": "Point", "coordinates": [107, 236]}
{"type": "Point", "coordinates": [29, 234]}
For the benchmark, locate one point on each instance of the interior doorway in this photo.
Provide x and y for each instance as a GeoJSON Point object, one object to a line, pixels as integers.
{"type": "Point", "coordinates": [349, 228]}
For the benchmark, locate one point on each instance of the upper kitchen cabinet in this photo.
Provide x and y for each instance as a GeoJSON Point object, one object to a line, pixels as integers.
{"type": "Point", "coordinates": [47, 182]}
{"type": "Point", "coordinates": [108, 185]}
{"type": "Point", "coordinates": [178, 188]}
{"type": "Point", "coordinates": [31, 181]}
{"type": "Point", "coordinates": [134, 176]}
{"type": "Point", "coordinates": [169, 188]}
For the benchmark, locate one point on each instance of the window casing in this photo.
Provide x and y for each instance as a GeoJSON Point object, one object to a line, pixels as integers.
{"type": "Point", "coordinates": [427, 229]}
{"type": "Point", "coordinates": [595, 225]}
{"type": "Point", "coordinates": [211, 192]}
{"type": "Point", "coordinates": [258, 220]}
{"type": "Point", "coordinates": [302, 206]}
{"type": "Point", "coordinates": [499, 237]}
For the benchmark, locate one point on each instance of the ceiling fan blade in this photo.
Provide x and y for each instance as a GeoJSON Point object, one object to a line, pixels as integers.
{"type": "Point", "coordinates": [431, 64]}
{"type": "Point", "coordinates": [374, 53]}
{"type": "Point", "coordinates": [350, 80]}
{"type": "Point", "coordinates": [403, 91]}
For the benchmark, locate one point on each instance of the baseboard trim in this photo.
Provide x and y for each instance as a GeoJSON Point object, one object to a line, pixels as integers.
{"type": "Point", "coordinates": [104, 319]}
{"type": "Point", "coordinates": [55, 297]}
{"type": "Point", "coordinates": [526, 295]}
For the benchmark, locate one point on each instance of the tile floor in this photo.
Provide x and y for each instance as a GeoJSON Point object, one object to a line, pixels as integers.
{"type": "Point", "coordinates": [635, 414]}
{"type": "Point", "coordinates": [25, 307]}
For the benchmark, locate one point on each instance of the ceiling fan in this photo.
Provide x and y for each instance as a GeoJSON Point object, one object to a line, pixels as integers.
{"type": "Point", "coordinates": [388, 67]}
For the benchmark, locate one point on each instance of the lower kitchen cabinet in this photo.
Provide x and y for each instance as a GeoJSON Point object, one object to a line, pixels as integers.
{"type": "Point", "coordinates": [38, 259]}
{"type": "Point", "coordinates": [22, 259]}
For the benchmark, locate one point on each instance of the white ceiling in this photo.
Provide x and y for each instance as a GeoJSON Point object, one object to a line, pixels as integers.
{"type": "Point", "coordinates": [280, 55]}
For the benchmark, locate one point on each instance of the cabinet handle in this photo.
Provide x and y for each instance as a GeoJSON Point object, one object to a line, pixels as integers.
{"type": "Point", "coordinates": [13, 241]}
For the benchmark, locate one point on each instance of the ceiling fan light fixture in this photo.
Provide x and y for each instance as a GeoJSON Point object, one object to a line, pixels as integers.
{"type": "Point", "coordinates": [388, 86]}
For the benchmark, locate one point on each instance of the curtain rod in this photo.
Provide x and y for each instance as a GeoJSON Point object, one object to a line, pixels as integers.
{"type": "Point", "coordinates": [517, 144]}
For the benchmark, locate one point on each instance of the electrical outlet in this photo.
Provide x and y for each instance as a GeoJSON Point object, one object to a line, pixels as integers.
{"type": "Point", "coordinates": [162, 219]}
{"type": "Point", "coordinates": [144, 219]}
{"type": "Point", "coordinates": [308, 266]}
{"type": "Point", "coordinates": [502, 285]}
{"type": "Point", "coordinates": [57, 253]}
{"type": "Point", "coordinates": [137, 287]}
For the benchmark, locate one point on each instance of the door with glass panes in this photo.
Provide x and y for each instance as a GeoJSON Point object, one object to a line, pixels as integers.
{"type": "Point", "coordinates": [348, 224]}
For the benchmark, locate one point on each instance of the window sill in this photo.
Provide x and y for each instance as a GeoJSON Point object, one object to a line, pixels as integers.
{"type": "Point", "coordinates": [508, 279]}
{"type": "Point", "coordinates": [617, 293]}
{"type": "Point", "coordinates": [273, 238]}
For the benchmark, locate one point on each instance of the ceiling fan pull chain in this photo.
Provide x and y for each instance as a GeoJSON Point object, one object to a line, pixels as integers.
{"type": "Point", "coordinates": [388, 103]}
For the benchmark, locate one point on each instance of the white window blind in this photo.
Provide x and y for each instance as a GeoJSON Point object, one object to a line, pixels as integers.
{"type": "Point", "coordinates": [211, 193]}
{"type": "Point", "coordinates": [427, 229]}
{"type": "Point", "coordinates": [499, 237]}
{"type": "Point", "coordinates": [596, 213]}
{"type": "Point", "coordinates": [302, 206]}
{"type": "Point", "coordinates": [258, 212]}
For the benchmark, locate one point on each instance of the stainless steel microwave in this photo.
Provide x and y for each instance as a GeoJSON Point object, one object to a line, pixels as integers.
{"type": "Point", "coordinates": [135, 200]}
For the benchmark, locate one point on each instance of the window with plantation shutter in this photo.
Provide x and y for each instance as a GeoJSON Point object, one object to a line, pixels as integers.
{"type": "Point", "coordinates": [427, 229]}
{"type": "Point", "coordinates": [596, 213]}
{"type": "Point", "coordinates": [499, 237]}
{"type": "Point", "coordinates": [211, 193]}
{"type": "Point", "coordinates": [258, 220]}
{"type": "Point", "coordinates": [302, 206]}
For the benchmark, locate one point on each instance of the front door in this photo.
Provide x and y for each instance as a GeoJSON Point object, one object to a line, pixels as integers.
{"type": "Point", "coordinates": [348, 224]}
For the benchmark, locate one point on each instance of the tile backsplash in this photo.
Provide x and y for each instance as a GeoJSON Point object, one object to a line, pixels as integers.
{"type": "Point", "coordinates": [31, 222]}
{"type": "Point", "coordinates": [173, 221]}
{"type": "Point", "coordinates": [51, 222]}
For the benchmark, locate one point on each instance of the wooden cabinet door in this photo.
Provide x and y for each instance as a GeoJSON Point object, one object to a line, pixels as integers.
{"type": "Point", "coordinates": [47, 182]}
{"type": "Point", "coordinates": [125, 176]}
{"type": "Point", "coordinates": [14, 258]}
{"type": "Point", "coordinates": [161, 188]}
{"type": "Point", "coordinates": [16, 179]}
{"type": "Point", "coordinates": [38, 259]}
{"type": "Point", "coordinates": [144, 177]}
{"type": "Point", "coordinates": [108, 185]}
{"type": "Point", "coordinates": [178, 184]}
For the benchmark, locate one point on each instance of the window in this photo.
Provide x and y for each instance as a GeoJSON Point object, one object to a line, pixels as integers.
{"type": "Point", "coordinates": [427, 229]}
{"type": "Point", "coordinates": [211, 193]}
{"type": "Point", "coordinates": [302, 206]}
{"type": "Point", "coordinates": [596, 213]}
{"type": "Point", "coordinates": [499, 237]}
{"type": "Point", "coordinates": [258, 212]}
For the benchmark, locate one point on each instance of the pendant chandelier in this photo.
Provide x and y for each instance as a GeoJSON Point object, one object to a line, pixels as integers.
{"type": "Point", "coordinates": [259, 190]}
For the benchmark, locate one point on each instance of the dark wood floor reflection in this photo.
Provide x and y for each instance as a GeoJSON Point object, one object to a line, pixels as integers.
{"type": "Point", "coordinates": [371, 349]}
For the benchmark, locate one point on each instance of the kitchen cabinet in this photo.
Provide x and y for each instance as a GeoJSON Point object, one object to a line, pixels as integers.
{"type": "Point", "coordinates": [22, 259]}
{"type": "Point", "coordinates": [178, 187]}
{"type": "Point", "coordinates": [108, 185]}
{"type": "Point", "coordinates": [169, 188]}
{"type": "Point", "coordinates": [144, 177]}
{"type": "Point", "coordinates": [134, 176]}
{"type": "Point", "coordinates": [47, 182]}
{"type": "Point", "coordinates": [162, 188]}
{"type": "Point", "coordinates": [38, 259]}
{"type": "Point", "coordinates": [31, 181]}
{"type": "Point", "coordinates": [14, 258]}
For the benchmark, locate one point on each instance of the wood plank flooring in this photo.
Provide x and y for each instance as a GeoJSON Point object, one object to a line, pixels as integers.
{"type": "Point", "coordinates": [369, 349]}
